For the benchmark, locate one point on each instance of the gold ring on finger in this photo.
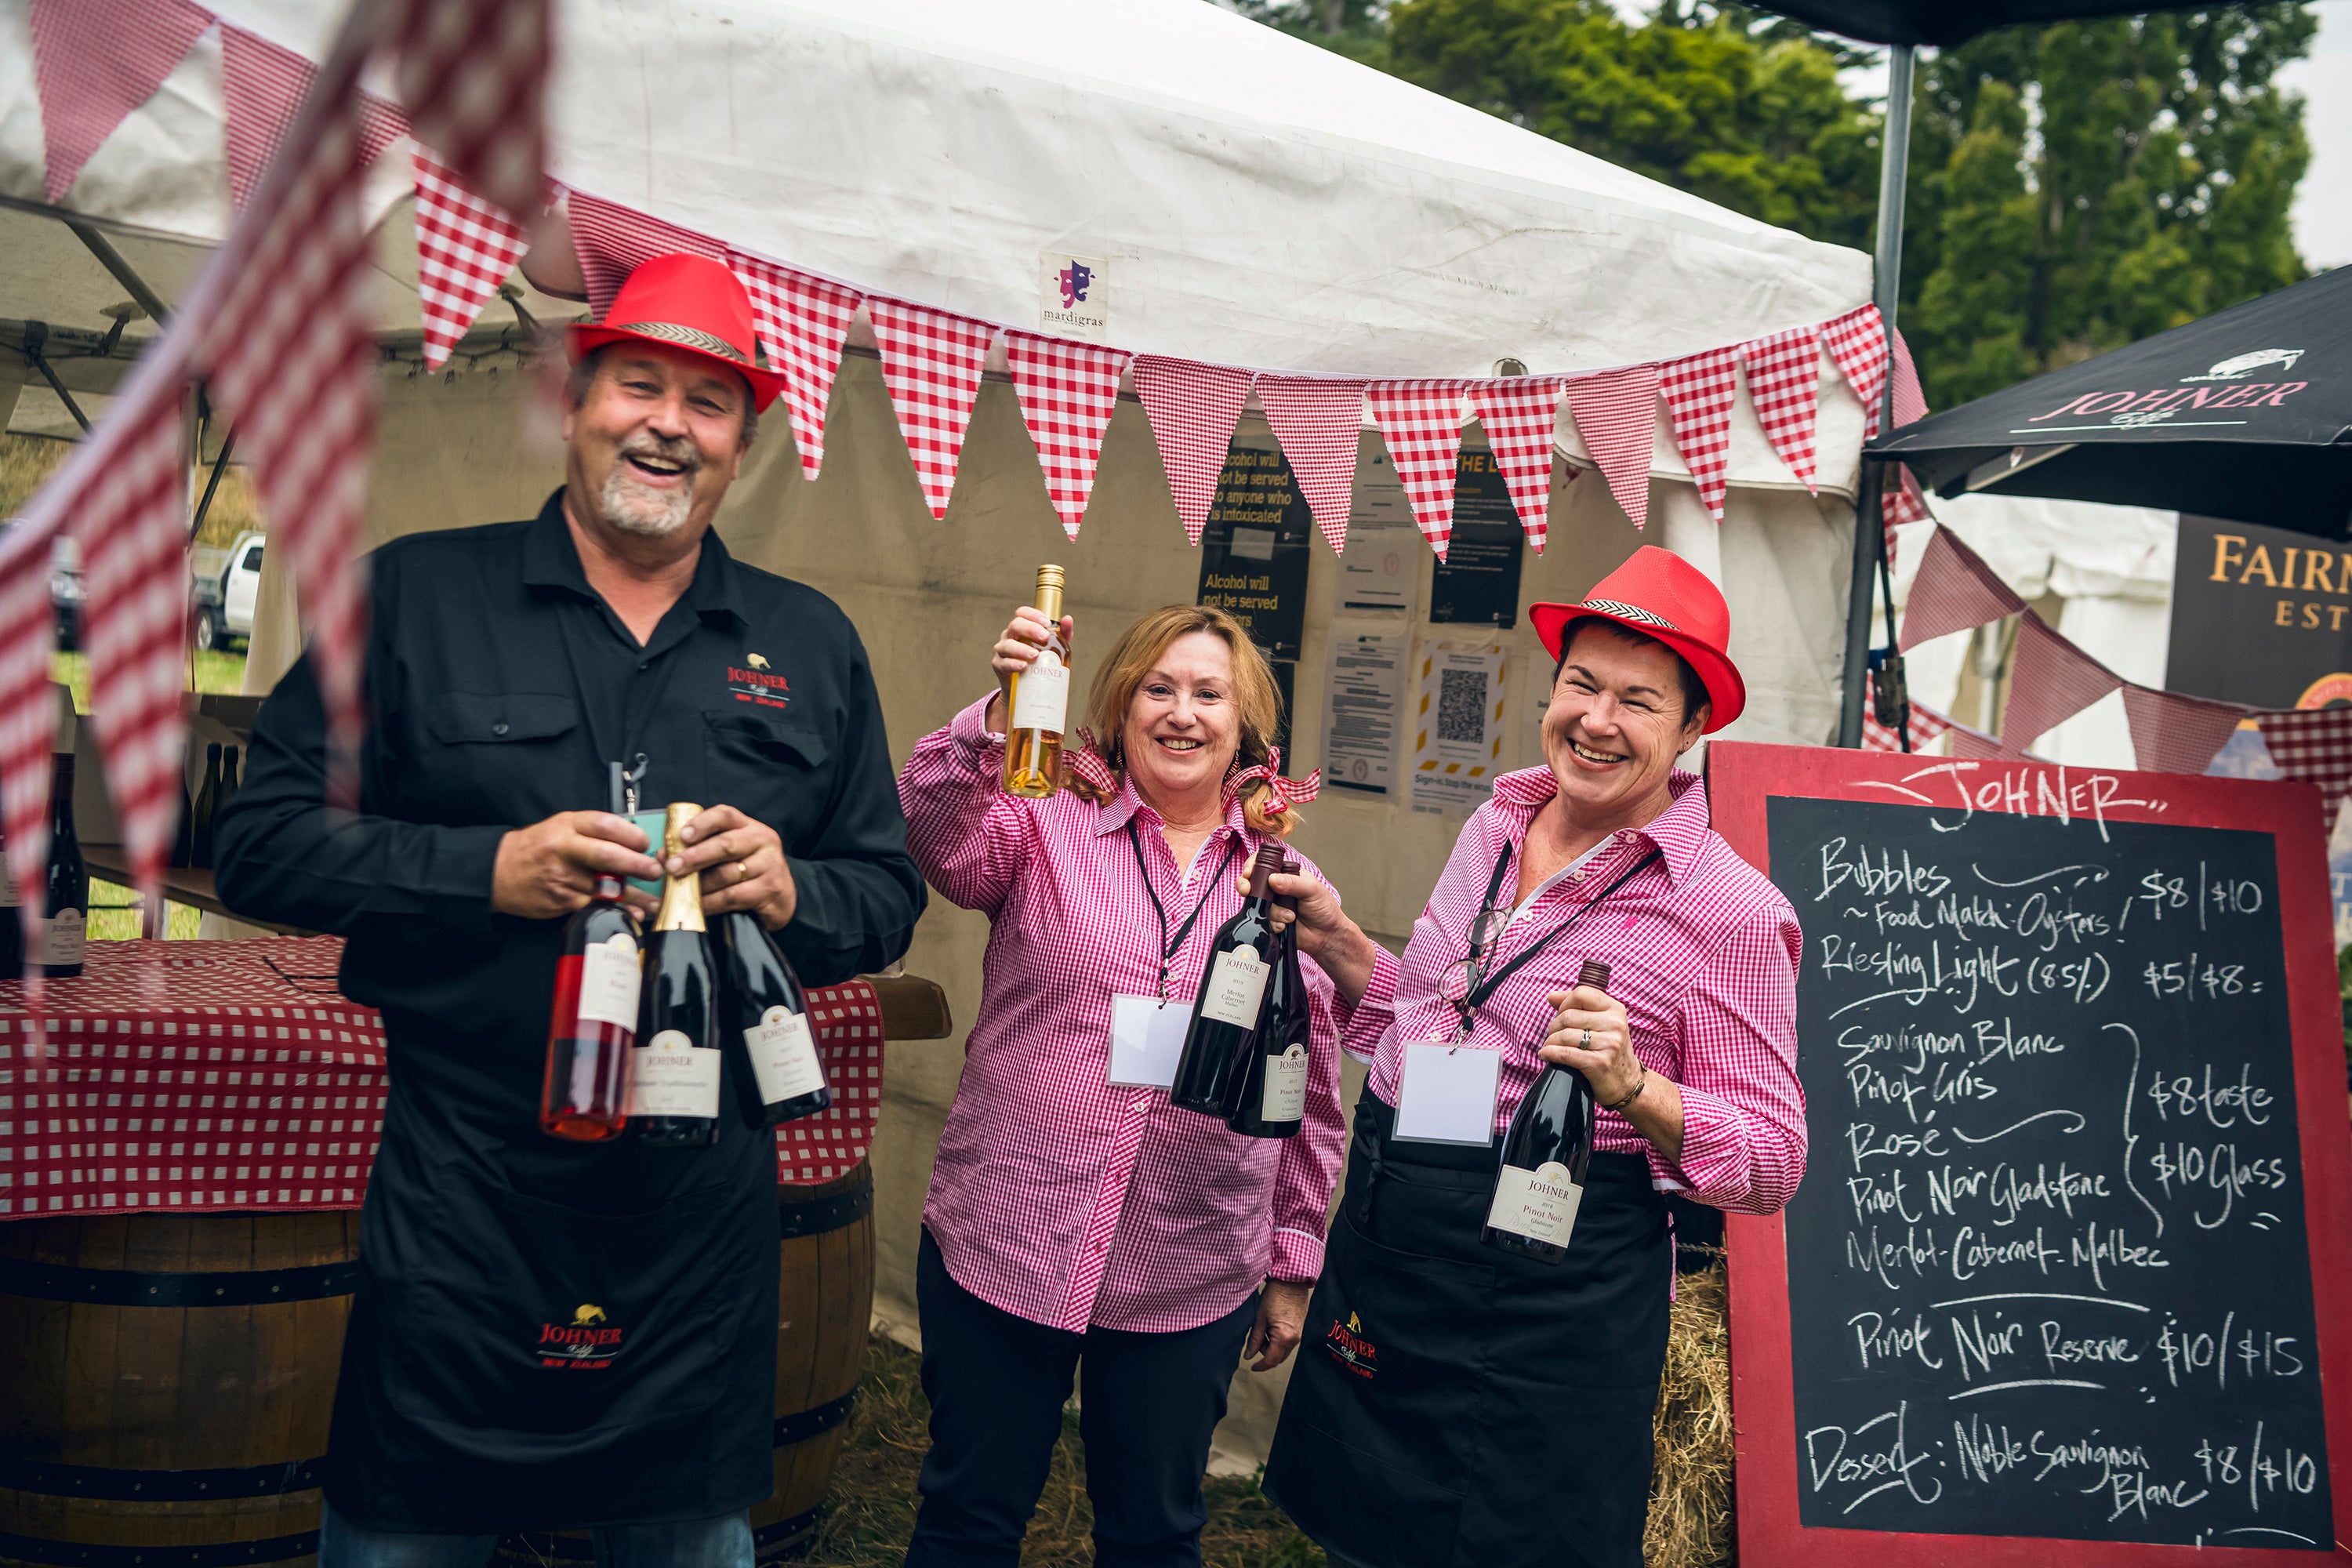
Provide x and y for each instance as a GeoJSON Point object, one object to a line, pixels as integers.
{"type": "Point", "coordinates": [741, 870]}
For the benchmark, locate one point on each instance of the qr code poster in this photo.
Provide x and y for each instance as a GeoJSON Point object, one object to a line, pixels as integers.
{"type": "Point", "coordinates": [1458, 744]}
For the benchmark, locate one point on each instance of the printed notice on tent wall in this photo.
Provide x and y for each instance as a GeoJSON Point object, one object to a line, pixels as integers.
{"type": "Point", "coordinates": [1381, 567]}
{"type": "Point", "coordinates": [1363, 702]}
{"type": "Point", "coordinates": [1072, 297]}
{"type": "Point", "coordinates": [1458, 744]}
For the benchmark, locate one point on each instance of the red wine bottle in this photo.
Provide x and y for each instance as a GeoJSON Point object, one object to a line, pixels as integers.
{"type": "Point", "coordinates": [1232, 1002]}
{"type": "Point", "coordinates": [64, 926]}
{"type": "Point", "coordinates": [594, 1024]}
{"type": "Point", "coordinates": [770, 1043]}
{"type": "Point", "coordinates": [1545, 1155]}
{"type": "Point", "coordinates": [674, 1067]}
{"type": "Point", "coordinates": [12, 920]}
{"type": "Point", "coordinates": [1267, 1098]}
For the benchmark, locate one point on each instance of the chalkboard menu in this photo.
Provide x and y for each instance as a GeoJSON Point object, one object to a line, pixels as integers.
{"type": "Point", "coordinates": [2051, 1272]}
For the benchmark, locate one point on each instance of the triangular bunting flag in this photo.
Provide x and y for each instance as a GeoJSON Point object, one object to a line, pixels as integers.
{"type": "Point", "coordinates": [614, 241]}
{"type": "Point", "coordinates": [464, 248]}
{"type": "Point", "coordinates": [1193, 408]}
{"type": "Point", "coordinates": [1616, 412]}
{"type": "Point", "coordinates": [474, 77]}
{"type": "Point", "coordinates": [931, 362]}
{"type": "Point", "coordinates": [2050, 681]}
{"type": "Point", "coordinates": [94, 61]}
{"type": "Point", "coordinates": [1699, 390]}
{"type": "Point", "coordinates": [1954, 591]}
{"type": "Point", "coordinates": [1317, 419]}
{"type": "Point", "coordinates": [1977, 746]}
{"type": "Point", "coordinates": [2175, 734]}
{"type": "Point", "coordinates": [265, 85]}
{"type": "Point", "coordinates": [1421, 423]}
{"type": "Point", "coordinates": [1902, 503]}
{"type": "Point", "coordinates": [1784, 380]}
{"type": "Point", "coordinates": [1067, 392]}
{"type": "Point", "coordinates": [1518, 413]}
{"type": "Point", "coordinates": [1910, 402]}
{"type": "Point", "coordinates": [2313, 746]}
{"type": "Point", "coordinates": [803, 321]}
{"type": "Point", "coordinates": [1857, 345]}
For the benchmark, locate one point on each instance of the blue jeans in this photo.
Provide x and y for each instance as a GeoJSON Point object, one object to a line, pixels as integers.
{"type": "Point", "coordinates": [721, 1542]}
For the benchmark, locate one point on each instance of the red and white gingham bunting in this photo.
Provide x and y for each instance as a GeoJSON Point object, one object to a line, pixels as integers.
{"type": "Point", "coordinates": [1616, 412]}
{"type": "Point", "coordinates": [2050, 681]}
{"type": "Point", "coordinates": [931, 362]}
{"type": "Point", "coordinates": [2314, 746]}
{"type": "Point", "coordinates": [1925, 724]}
{"type": "Point", "coordinates": [28, 704]}
{"type": "Point", "coordinates": [1954, 591]}
{"type": "Point", "coordinates": [1977, 746]}
{"type": "Point", "coordinates": [1857, 345]}
{"type": "Point", "coordinates": [464, 248]}
{"type": "Point", "coordinates": [802, 321]}
{"type": "Point", "coordinates": [612, 241]}
{"type": "Point", "coordinates": [94, 61]}
{"type": "Point", "coordinates": [1518, 413]}
{"type": "Point", "coordinates": [1067, 392]}
{"type": "Point", "coordinates": [1421, 423]}
{"type": "Point", "coordinates": [1316, 420]}
{"type": "Point", "coordinates": [1193, 408]}
{"type": "Point", "coordinates": [474, 77]}
{"type": "Point", "coordinates": [1910, 402]}
{"type": "Point", "coordinates": [264, 83]}
{"type": "Point", "coordinates": [2175, 734]}
{"type": "Point", "coordinates": [1784, 379]}
{"type": "Point", "coordinates": [1699, 390]}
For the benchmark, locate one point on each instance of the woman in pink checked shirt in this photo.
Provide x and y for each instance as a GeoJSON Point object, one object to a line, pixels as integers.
{"type": "Point", "coordinates": [1076, 1220]}
{"type": "Point", "coordinates": [1457, 1405]}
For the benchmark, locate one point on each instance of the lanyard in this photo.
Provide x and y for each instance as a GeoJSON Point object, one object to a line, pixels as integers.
{"type": "Point", "coordinates": [1478, 990]}
{"type": "Point", "coordinates": [588, 709]}
{"type": "Point", "coordinates": [1170, 946]}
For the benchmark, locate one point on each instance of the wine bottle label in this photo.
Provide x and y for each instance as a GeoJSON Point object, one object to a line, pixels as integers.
{"type": "Point", "coordinates": [9, 896]}
{"type": "Point", "coordinates": [1041, 694]}
{"type": "Point", "coordinates": [1540, 1205]}
{"type": "Point", "coordinates": [1236, 986]}
{"type": "Point", "coordinates": [783, 1055]}
{"type": "Point", "coordinates": [60, 938]}
{"type": "Point", "coordinates": [610, 976]}
{"type": "Point", "coordinates": [1285, 1086]}
{"type": "Point", "coordinates": [670, 1077]}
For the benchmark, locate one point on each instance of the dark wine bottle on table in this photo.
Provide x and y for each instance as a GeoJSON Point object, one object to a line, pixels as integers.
{"type": "Point", "coordinates": [228, 784]}
{"type": "Point", "coordinates": [12, 919]}
{"type": "Point", "coordinates": [592, 1026]}
{"type": "Point", "coordinates": [200, 836]}
{"type": "Point", "coordinates": [1267, 1096]}
{"type": "Point", "coordinates": [1545, 1155]}
{"type": "Point", "coordinates": [1232, 1002]}
{"type": "Point", "coordinates": [184, 839]}
{"type": "Point", "coordinates": [777, 1074]}
{"type": "Point", "coordinates": [674, 1067]}
{"type": "Point", "coordinates": [65, 912]}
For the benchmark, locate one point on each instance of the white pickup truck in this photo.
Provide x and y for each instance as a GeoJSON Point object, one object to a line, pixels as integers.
{"type": "Point", "coordinates": [225, 582]}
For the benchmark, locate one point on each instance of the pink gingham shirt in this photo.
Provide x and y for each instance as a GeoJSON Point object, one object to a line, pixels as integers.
{"type": "Point", "coordinates": [1703, 952]}
{"type": "Point", "coordinates": [1056, 1197]}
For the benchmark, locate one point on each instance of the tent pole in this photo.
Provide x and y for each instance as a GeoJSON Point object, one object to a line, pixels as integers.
{"type": "Point", "coordinates": [1869, 542]}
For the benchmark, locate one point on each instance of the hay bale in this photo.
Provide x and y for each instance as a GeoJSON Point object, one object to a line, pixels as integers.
{"type": "Point", "coordinates": [1690, 1522]}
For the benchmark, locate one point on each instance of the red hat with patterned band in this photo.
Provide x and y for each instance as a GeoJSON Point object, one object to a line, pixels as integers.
{"type": "Point", "coordinates": [1659, 594]}
{"type": "Point", "coordinates": [685, 302]}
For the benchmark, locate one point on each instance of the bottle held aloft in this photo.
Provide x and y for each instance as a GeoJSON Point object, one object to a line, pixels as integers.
{"type": "Point", "coordinates": [1231, 1006]}
{"type": "Point", "coordinates": [674, 1067]}
{"type": "Point", "coordinates": [59, 936]}
{"type": "Point", "coordinates": [770, 1043]}
{"type": "Point", "coordinates": [1540, 1179]}
{"type": "Point", "coordinates": [1267, 1095]}
{"type": "Point", "coordinates": [592, 1029]}
{"type": "Point", "coordinates": [1037, 705]}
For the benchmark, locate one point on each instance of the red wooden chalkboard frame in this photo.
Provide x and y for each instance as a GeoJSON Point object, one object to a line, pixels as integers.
{"type": "Point", "coordinates": [1740, 777]}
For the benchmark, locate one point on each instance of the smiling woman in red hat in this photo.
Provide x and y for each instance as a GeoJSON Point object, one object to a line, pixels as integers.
{"type": "Point", "coordinates": [1481, 1356]}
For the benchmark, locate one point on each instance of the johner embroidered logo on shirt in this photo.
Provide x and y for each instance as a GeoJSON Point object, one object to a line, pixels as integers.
{"type": "Point", "coordinates": [754, 681]}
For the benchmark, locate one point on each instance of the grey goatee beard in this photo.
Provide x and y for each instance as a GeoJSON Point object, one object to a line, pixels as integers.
{"type": "Point", "coordinates": [632, 506]}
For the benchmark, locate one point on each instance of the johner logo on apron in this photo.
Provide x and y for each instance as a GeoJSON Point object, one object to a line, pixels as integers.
{"type": "Point", "coordinates": [1346, 1344]}
{"type": "Point", "coordinates": [587, 1343]}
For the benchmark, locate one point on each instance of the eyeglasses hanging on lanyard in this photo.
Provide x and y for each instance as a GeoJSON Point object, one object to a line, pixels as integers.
{"type": "Point", "coordinates": [1466, 982]}
{"type": "Point", "coordinates": [1170, 946]}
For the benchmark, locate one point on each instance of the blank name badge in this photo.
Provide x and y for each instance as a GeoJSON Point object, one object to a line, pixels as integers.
{"type": "Point", "coordinates": [1447, 1093]}
{"type": "Point", "coordinates": [1147, 1035]}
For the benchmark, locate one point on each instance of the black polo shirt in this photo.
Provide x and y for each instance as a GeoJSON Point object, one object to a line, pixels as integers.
{"type": "Point", "coordinates": [500, 686]}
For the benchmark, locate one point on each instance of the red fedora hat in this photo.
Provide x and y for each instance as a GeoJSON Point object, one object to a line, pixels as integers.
{"type": "Point", "coordinates": [1659, 594]}
{"type": "Point", "coordinates": [685, 302]}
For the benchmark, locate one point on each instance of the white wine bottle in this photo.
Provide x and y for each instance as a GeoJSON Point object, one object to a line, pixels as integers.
{"type": "Point", "coordinates": [1546, 1154]}
{"type": "Point", "coordinates": [1037, 705]}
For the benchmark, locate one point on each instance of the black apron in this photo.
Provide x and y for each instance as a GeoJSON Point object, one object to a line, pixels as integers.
{"type": "Point", "coordinates": [1459, 1406]}
{"type": "Point", "coordinates": [550, 1335]}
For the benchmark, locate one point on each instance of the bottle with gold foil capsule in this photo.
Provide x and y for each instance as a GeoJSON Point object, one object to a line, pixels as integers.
{"type": "Point", "coordinates": [674, 1068]}
{"type": "Point", "coordinates": [1037, 705]}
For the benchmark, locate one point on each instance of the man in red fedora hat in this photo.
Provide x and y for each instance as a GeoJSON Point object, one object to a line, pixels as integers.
{"type": "Point", "coordinates": [513, 673]}
{"type": "Point", "coordinates": [1485, 1297]}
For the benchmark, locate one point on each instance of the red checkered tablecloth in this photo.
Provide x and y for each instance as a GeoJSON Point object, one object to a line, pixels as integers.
{"type": "Point", "coordinates": [187, 1076]}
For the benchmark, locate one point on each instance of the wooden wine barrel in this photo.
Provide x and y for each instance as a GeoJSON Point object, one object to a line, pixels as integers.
{"type": "Point", "coordinates": [165, 1385]}
{"type": "Point", "coordinates": [822, 1310]}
